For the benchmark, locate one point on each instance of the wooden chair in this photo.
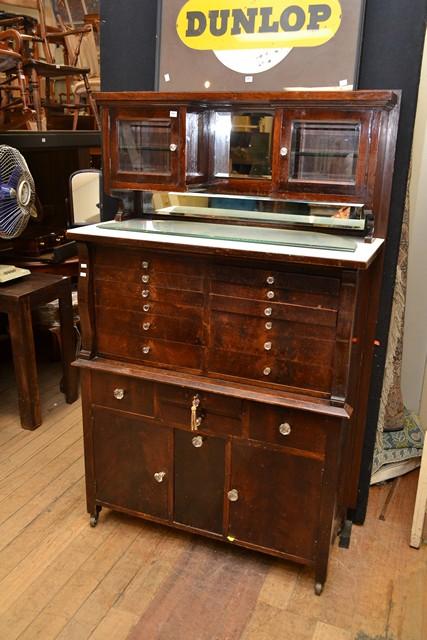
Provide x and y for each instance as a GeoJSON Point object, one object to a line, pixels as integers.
{"type": "Point", "coordinates": [14, 106]}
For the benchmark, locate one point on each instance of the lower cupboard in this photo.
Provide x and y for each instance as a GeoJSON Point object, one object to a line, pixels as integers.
{"type": "Point", "coordinates": [256, 475]}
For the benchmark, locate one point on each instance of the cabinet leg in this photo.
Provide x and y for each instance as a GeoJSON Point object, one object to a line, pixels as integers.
{"type": "Point", "coordinates": [345, 534]}
{"type": "Point", "coordinates": [94, 516]}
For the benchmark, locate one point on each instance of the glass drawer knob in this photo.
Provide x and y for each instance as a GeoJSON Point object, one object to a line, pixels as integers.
{"type": "Point", "coordinates": [145, 279]}
{"type": "Point", "coordinates": [270, 295]}
{"type": "Point", "coordinates": [268, 325]}
{"type": "Point", "coordinates": [197, 442]}
{"type": "Point", "coordinates": [233, 495]}
{"type": "Point", "coordinates": [173, 147]}
{"type": "Point", "coordinates": [267, 371]}
{"type": "Point", "coordinates": [119, 394]}
{"type": "Point", "coordinates": [270, 280]}
{"type": "Point", "coordinates": [285, 429]}
{"type": "Point", "coordinates": [268, 311]}
{"type": "Point", "coordinates": [267, 346]}
{"type": "Point", "coordinates": [145, 350]}
{"type": "Point", "coordinates": [146, 326]}
{"type": "Point", "coordinates": [145, 293]}
{"type": "Point", "coordinates": [159, 476]}
{"type": "Point", "coordinates": [146, 307]}
{"type": "Point", "coordinates": [283, 151]}
{"type": "Point", "coordinates": [145, 264]}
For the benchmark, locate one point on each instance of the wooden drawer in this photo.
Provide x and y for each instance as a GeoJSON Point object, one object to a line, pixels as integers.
{"type": "Point", "coordinates": [147, 325]}
{"type": "Point", "coordinates": [124, 393]}
{"type": "Point", "coordinates": [219, 414]}
{"type": "Point", "coordinates": [150, 350]}
{"type": "Point", "coordinates": [280, 286]}
{"type": "Point", "coordinates": [145, 261]}
{"type": "Point", "coordinates": [299, 375]}
{"type": "Point", "coordinates": [133, 295]}
{"type": "Point", "coordinates": [288, 427]}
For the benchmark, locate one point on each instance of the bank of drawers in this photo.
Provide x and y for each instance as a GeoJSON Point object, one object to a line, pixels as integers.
{"type": "Point", "coordinates": [216, 414]}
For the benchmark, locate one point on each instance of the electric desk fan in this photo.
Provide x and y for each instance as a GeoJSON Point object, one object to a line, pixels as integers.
{"type": "Point", "coordinates": [17, 202]}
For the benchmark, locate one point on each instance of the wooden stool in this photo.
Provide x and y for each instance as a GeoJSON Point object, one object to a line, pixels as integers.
{"type": "Point", "coordinates": [17, 300]}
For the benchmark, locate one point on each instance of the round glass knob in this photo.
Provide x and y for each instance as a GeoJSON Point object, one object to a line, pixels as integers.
{"type": "Point", "coordinates": [145, 264]}
{"type": "Point", "coordinates": [266, 371]}
{"type": "Point", "coordinates": [283, 151]}
{"type": "Point", "coordinates": [285, 428]}
{"type": "Point", "coordinates": [145, 293]}
{"type": "Point", "coordinates": [268, 325]}
{"type": "Point", "coordinates": [197, 442]}
{"type": "Point", "coordinates": [159, 476]}
{"type": "Point", "coordinates": [145, 350]}
{"type": "Point", "coordinates": [145, 278]}
{"type": "Point", "coordinates": [233, 495]}
{"type": "Point", "coordinates": [146, 326]}
{"type": "Point", "coordinates": [119, 394]}
{"type": "Point", "coordinates": [270, 280]}
{"type": "Point", "coordinates": [173, 147]}
{"type": "Point", "coordinates": [268, 311]}
{"type": "Point", "coordinates": [270, 295]}
{"type": "Point", "coordinates": [146, 307]}
{"type": "Point", "coordinates": [267, 346]}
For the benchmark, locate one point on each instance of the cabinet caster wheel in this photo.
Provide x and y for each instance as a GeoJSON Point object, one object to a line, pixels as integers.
{"type": "Point", "coordinates": [318, 588]}
{"type": "Point", "coordinates": [93, 520]}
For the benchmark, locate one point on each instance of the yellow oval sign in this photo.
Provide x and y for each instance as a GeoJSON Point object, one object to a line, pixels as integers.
{"type": "Point", "coordinates": [258, 24]}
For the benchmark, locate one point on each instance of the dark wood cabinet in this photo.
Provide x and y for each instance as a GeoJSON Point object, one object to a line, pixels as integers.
{"type": "Point", "coordinates": [224, 336]}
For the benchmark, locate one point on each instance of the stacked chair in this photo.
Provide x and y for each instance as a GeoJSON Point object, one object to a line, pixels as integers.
{"type": "Point", "coordinates": [30, 72]}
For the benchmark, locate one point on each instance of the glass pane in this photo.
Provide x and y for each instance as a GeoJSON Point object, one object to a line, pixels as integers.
{"type": "Point", "coordinates": [260, 235]}
{"type": "Point", "coordinates": [243, 144]}
{"type": "Point", "coordinates": [144, 146]}
{"type": "Point", "coordinates": [194, 149]}
{"type": "Point", "coordinates": [325, 152]}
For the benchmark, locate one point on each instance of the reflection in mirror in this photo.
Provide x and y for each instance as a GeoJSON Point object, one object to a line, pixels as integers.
{"type": "Point", "coordinates": [256, 209]}
{"type": "Point", "coordinates": [242, 144]}
{"type": "Point", "coordinates": [85, 197]}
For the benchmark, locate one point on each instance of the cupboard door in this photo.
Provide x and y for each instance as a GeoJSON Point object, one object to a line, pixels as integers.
{"type": "Point", "coordinates": [132, 462]}
{"type": "Point", "coordinates": [145, 147]}
{"type": "Point", "coordinates": [275, 498]}
{"type": "Point", "coordinates": [199, 481]}
{"type": "Point", "coordinates": [326, 152]}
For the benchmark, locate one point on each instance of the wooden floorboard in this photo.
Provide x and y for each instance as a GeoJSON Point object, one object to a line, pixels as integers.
{"type": "Point", "coordinates": [131, 580]}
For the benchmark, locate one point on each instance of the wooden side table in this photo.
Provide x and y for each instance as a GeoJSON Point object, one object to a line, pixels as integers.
{"type": "Point", "coordinates": [17, 300]}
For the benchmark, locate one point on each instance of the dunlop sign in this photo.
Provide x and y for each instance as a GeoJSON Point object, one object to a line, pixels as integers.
{"type": "Point", "coordinates": [258, 24]}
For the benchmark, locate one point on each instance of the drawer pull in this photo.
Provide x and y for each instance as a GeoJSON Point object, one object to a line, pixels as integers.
{"type": "Point", "coordinates": [145, 278]}
{"type": "Point", "coordinates": [268, 311]}
{"type": "Point", "coordinates": [197, 442]}
{"type": "Point", "coordinates": [195, 421]}
{"type": "Point", "coordinates": [267, 371]}
{"type": "Point", "coordinates": [270, 280]}
{"type": "Point", "coordinates": [285, 428]}
{"type": "Point", "coordinates": [267, 346]}
{"type": "Point", "coordinates": [145, 293]}
{"type": "Point", "coordinates": [283, 151]}
{"type": "Point", "coordinates": [173, 147]}
{"type": "Point", "coordinates": [233, 495]}
{"type": "Point", "coordinates": [159, 476]}
{"type": "Point", "coordinates": [146, 326]}
{"type": "Point", "coordinates": [145, 349]}
{"type": "Point", "coordinates": [146, 307]}
{"type": "Point", "coordinates": [145, 264]}
{"type": "Point", "coordinates": [268, 325]}
{"type": "Point", "coordinates": [270, 295]}
{"type": "Point", "coordinates": [119, 394]}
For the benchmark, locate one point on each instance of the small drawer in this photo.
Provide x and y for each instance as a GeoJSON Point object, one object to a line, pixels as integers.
{"type": "Point", "coordinates": [288, 427]}
{"type": "Point", "coordinates": [120, 392]}
{"type": "Point", "coordinates": [215, 413]}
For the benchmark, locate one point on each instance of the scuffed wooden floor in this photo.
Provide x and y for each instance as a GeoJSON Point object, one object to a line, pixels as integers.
{"type": "Point", "coordinates": [128, 579]}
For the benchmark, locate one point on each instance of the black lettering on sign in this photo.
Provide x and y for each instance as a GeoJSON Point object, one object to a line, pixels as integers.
{"type": "Point", "coordinates": [218, 28]}
{"type": "Point", "coordinates": [318, 13]}
{"type": "Point", "coordinates": [242, 21]}
{"type": "Point", "coordinates": [292, 19]}
{"type": "Point", "coordinates": [266, 25]}
{"type": "Point", "coordinates": [196, 23]}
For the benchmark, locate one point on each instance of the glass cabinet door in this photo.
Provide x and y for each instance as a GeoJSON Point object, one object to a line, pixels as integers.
{"type": "Point", "coordinates": [324, 152]}
{"type": "Point", "coordinates": [145, 147]}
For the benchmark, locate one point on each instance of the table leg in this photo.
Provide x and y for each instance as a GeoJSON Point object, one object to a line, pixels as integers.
{"type": "Point", "coordinates": [68, 355]}
{"type": "Point", "coordinates": [24, 359]}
